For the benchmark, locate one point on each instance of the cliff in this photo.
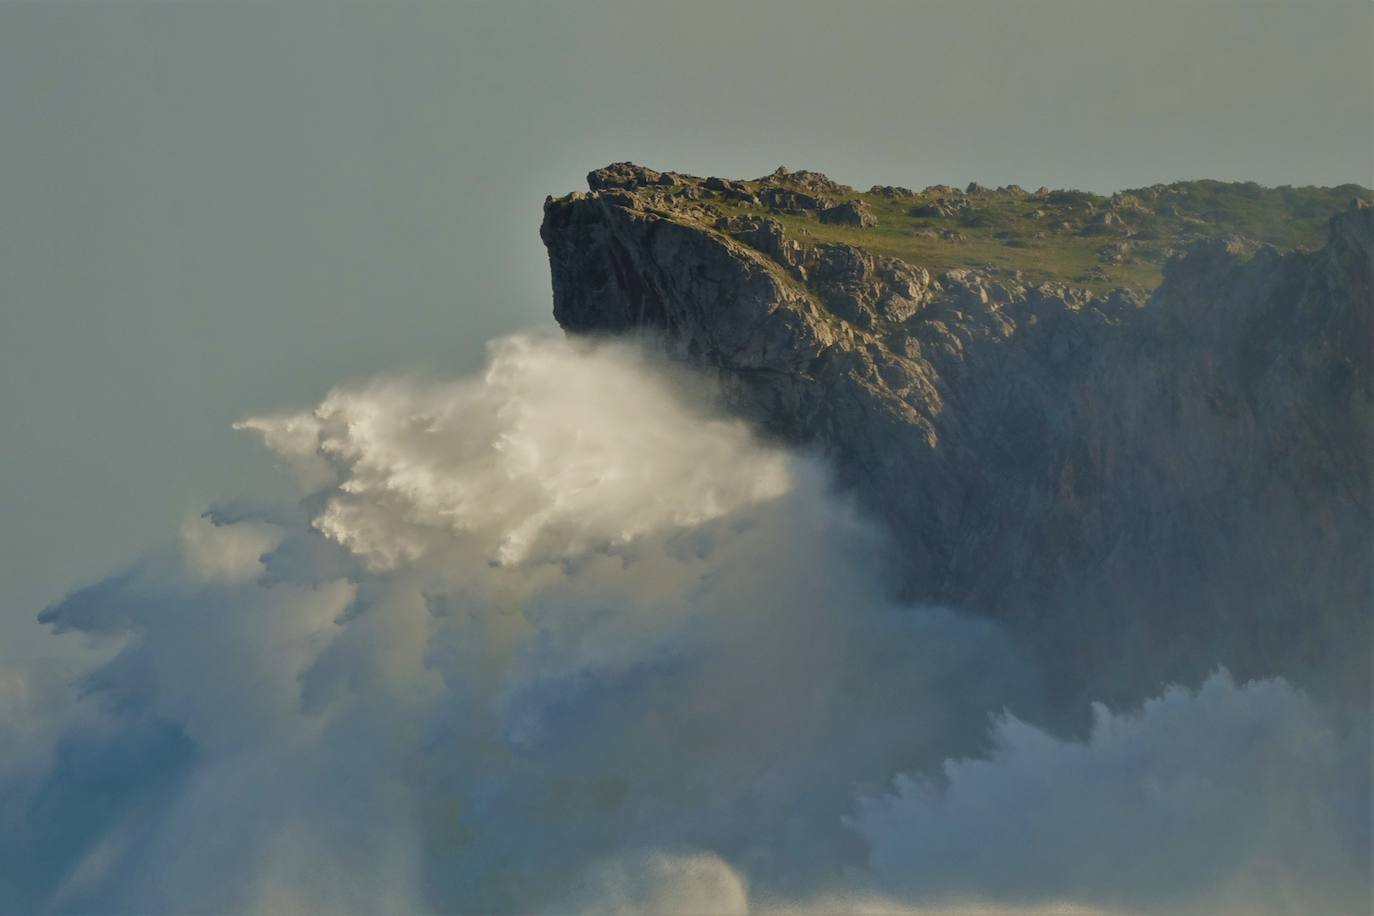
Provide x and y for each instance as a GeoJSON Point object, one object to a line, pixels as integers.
{"type": "Point", "coordinates": [1182, 475]}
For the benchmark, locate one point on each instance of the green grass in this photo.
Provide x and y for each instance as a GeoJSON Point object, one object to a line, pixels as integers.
{"type": "Point", "coordinates": [1001, 232]}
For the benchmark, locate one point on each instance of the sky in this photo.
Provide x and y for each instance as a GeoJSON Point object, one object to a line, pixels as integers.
{"type": "Point", "coordinates": [211, 210]}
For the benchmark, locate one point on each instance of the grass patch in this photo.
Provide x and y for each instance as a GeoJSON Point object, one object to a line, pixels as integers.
{"type": "Point", "coordinates": [1061, 236]}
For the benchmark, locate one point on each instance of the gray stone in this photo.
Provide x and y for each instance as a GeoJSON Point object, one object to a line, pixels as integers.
{"type": "Point", "coordinates": [849, 213]}
{"type": "Point", "coordinates": [1196, 463]}
{"type": "Point", "coordinates": [781, 198]}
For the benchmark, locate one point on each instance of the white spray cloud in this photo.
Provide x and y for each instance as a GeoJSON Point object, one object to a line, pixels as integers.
{"type": "Point", "coordinates": [227, 553]}
{"type": "Point", "coordinates": [1236, 799]}
{"type": "Point", "coordinates": [555, 639]}
{"type": "Point", "coordinates": [538, 458]}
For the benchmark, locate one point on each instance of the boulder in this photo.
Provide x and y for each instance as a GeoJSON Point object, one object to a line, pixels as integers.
{"type": "Point", "coordinates": [849, 213]}
{"type": "Point", "coordinates": [781, 198]}
{"type": "Point", "coordinates": [628, 176]}
{"type": "Point", "coordinates": [933, 209]}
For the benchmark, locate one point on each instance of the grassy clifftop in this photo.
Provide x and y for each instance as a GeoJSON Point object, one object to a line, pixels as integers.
{"type": "Point", "coordinates": [1077, 237]}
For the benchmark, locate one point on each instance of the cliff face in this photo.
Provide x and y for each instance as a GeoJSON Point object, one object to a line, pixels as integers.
{"type": "Point", "coordinates": [1184, 480]}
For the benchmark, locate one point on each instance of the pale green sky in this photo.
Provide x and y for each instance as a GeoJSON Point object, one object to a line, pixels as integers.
{"type": "Point", "coordinates": [210, 209]}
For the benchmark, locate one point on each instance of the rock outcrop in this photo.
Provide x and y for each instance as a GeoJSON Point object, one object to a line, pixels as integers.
{"type": "Point", "coordinates": [1185, 480]}
{"type": "Point", "coordinates": [849, 213]}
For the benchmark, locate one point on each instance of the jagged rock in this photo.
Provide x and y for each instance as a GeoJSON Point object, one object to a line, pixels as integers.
{"type": "Point", "coordinates": [732, 190]}
{"type": "Point", "coordinates": [904, 289]}
{"type": "Point", "coordinates": [1121, 201]}
{"type": "Point", "coordinates": [767, 236]}
{"type": "Point", "coordinates": [1106, 221]}
{"type": "Point", "coordinates": [814, 182]}
{"type": "Point", "coordinates": [1198, 463]}
{"type": "Point", "coordinates": [788, 200]}
{"type": "Point", "coordinates": [849, 213]}
{"type": "Point", "coordinates": [892, 192]}
{"type": "Point", "coordinates": [628, 176]}
{"type": "Point", "coordinates": [934, 209]}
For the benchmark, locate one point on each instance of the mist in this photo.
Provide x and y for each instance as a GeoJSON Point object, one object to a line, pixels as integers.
{"type": "Point", "coordinates": [560, 636]}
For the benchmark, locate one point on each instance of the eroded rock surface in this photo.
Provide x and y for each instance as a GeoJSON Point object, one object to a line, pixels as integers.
{"type": "Point", "coordinates": [1186, 480]}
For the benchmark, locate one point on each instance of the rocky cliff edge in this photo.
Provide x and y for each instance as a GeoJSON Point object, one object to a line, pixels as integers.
{"type": "Point", "coordinates": [1184, 478]}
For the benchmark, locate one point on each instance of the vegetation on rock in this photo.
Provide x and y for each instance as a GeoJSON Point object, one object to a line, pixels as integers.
{"type": "Point", "coordinates": [1094, 241]}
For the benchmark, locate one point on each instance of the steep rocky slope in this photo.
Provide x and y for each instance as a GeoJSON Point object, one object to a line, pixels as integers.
{"type": "Point", "coordinates": [1182, 481]}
